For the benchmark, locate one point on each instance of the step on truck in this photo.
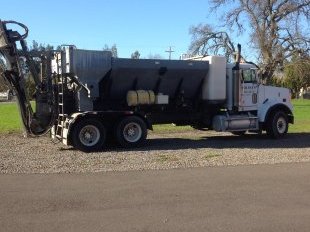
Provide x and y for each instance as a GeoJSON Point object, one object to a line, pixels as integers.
{"type": "Point", "coordinates": [85, 98]}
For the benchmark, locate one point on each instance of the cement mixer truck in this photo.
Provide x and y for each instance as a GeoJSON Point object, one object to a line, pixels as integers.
{"type": "Point", "coordinates": [85, 98]}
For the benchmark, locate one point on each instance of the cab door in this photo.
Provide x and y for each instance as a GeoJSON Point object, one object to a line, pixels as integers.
{"type": "Point", "coordinates": [248, 90]}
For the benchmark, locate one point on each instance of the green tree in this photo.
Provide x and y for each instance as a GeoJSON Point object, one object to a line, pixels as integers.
{"type": "Point", "coordinates": [297, 75]}
{"type": "Point", "coordinates": [112, 49]}
{"type": "Point", "coordinates": [30, 86]}
{"type": "Point", "coordinates": [155, 56]}
{"type": "Point", "coordinates": [29, 82]}
{"type": "Point", "coordinates": [41, 47]}
{"type": "Point", "coordinates": [3, 86]}
{"type": "Point", "coordinates": [135, 55]}
{"type": "Point", "coordinates": [34, 46]}
{"type": "Point", "coordinates": [276, 29]}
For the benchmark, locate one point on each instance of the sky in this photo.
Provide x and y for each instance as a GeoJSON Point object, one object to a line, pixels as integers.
{"type": "Point", "coordinates": [149, 26]}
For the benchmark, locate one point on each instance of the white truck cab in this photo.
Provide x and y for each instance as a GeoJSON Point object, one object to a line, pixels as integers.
{"type": "Point", "coordinates": [249, 105]}
{"type": "Point", "coordinates": [252, 106]}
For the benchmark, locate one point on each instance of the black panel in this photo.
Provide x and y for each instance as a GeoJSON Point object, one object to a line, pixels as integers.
{"type": "Point", "coordinates": [162, 76]}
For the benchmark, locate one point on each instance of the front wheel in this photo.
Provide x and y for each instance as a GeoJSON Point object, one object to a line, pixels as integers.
{"type": "Point", "coordinates": [88, 135]}
{"type": "Point", "coordinates": [131, 132]}
{"type": "Point", "coordinates": [277, 125]}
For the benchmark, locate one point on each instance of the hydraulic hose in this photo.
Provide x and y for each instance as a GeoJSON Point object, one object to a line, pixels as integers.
{"type": "Point", "coordinates": [18, 37]}
{"type": "Point", "coordinates": [38, 123]}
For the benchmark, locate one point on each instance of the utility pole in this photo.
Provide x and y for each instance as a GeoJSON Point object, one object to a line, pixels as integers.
{"type": "Point", "coordinates": [169, 51]}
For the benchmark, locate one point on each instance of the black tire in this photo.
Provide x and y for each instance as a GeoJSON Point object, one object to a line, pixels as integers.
{"type": "Point", "coordinates": [131, 132]}
{"type": "Point", "coordinates": [277, 125]}
{"type": "Point", "coordinates": [239, 133]}
{"type": "Point", "coordinates": [88, 135]}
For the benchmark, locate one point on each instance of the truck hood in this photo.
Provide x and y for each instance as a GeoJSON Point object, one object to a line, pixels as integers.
{"type": "Point", "coordinates": [275, 94]}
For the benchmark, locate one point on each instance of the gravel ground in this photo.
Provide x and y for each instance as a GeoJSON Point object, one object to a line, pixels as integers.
{"type": "Point", "coordinates": [162, 151]}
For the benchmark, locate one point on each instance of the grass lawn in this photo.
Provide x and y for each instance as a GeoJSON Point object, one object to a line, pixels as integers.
{"type": "Point", "coordinates": [10, 120]}
{"type": "Point", "coordinates": [302, 116]}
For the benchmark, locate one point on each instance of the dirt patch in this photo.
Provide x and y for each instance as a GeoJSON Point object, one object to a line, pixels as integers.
{"type": "Point", "coordinates": [162, 151]}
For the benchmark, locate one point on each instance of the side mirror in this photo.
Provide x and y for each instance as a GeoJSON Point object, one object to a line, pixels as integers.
{"type": "Point", "coordinates": [259, 78]}
{"type": "Point", "coordinates": [241, 76]}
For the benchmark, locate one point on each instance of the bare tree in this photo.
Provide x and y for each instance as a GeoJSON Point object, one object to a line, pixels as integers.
{"type": "Point", "coordinates": [206, 41]}
{"type": "Point", "coordinates": [278, 28]}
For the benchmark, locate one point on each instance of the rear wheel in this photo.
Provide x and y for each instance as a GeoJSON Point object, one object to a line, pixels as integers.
{"type": "Point", "coordinates": [277, 125]}
{"type": "Point", "coordinates": [131, 132]}
{"type": "Point", "coordinates": [88, 135]}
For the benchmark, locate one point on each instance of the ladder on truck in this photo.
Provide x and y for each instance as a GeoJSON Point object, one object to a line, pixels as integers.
{"type": "Point", "coordinates": [62, 116]}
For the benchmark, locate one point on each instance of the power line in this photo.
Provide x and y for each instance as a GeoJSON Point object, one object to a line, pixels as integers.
{"type": "Point", "coordinates": [170, 51]}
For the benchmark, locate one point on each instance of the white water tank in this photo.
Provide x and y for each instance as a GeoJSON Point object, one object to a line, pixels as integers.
{"type": "Point", "coordinates": [214, 86]}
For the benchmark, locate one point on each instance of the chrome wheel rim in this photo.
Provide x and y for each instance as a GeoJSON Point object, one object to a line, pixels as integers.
{"type": "Point", "coordinates": [132, 132]}
{"type": "Point", "coordinates": [281, 125]}
{"type": "Point", "coordinates": [89, 135]}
